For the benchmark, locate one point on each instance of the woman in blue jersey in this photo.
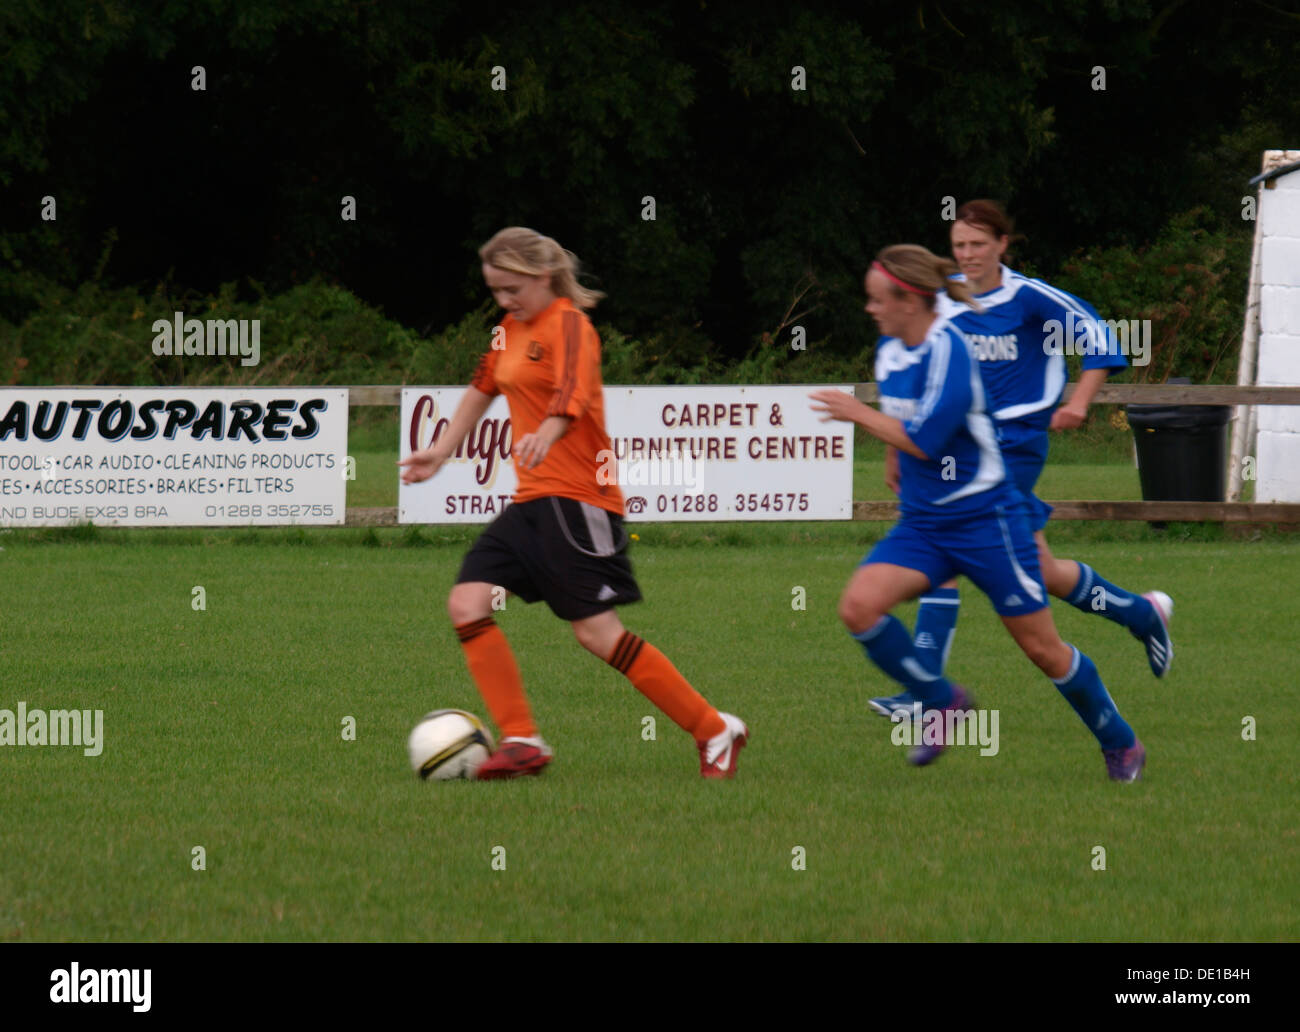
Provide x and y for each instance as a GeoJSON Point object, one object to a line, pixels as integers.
{"type": "Point", "coordinates": [1022, 329]}
{"type": "Point", "coordinates": [960, 514]}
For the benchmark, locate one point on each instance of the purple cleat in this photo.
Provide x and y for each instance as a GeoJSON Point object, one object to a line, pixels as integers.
{"type": "Point", "coordinates": [1126, 764]}
{"type": "Point", "coordinates": [923, 755]}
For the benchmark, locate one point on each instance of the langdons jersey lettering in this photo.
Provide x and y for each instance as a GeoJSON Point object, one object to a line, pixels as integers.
{"type": "Point", "coordinates": [1021, 338]}
{"type": "Point", "coordinates": [550, 366]}
{"type": "Point", "coordinates": [935, 389]}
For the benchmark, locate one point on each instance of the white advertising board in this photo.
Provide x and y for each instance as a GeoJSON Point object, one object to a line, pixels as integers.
{"type": "Point", "coordinates": [172, 456]}
{"type": "Point", "coordinates": [680, 454]}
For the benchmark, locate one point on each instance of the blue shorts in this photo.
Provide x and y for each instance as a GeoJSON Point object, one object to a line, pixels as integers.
{"type": "Point", "coordinates": [1024, 466]}
{"type": "Point", "coordinates": [995, 550]}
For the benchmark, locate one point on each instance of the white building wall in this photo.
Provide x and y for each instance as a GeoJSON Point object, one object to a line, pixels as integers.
{"type": "Point", "coordinates": [1277, 446]}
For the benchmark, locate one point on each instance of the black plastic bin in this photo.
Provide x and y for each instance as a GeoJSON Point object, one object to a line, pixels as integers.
{"type": "Point", "coordinates": [1182, 451]}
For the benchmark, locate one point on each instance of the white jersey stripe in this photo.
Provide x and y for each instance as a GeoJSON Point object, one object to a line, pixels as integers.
{"type": "Point", "coordinates": [939, 348]}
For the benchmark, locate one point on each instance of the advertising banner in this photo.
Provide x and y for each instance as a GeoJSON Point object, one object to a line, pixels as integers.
{"type": "Point", "coordinates": [172, 456]}
{"type": "Point", "coordinates": [678, 454]}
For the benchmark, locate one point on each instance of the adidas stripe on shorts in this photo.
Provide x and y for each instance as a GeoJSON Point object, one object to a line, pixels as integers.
{"type": "Point", "coordinates": [570, 554]}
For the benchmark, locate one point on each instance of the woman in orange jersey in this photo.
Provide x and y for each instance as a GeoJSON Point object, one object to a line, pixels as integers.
{"type": "Point", "coordinates": [562, 537]}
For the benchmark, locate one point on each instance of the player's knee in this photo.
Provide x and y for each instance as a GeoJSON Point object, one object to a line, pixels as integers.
{"type": "Point", "coordinates": [1042, 652]}
{"type": "Point", "coordinates": [587, 637]}
{"type": "Point", "coordinates": [464, 604]}
{"type": "Point", "coordinates": [1041, 657]}
{"type": "Point", "coordinates": [1056, 578]}
{"type": "Point", "coordinates": [858, 613]}
{"type": "Point", "coordinates": [1058, 574]}
{"type": "Point", "coordinates": [598, 638]}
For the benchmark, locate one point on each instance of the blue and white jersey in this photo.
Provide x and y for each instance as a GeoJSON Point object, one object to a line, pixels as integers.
{"type": "Point", "coordinates": [1022, 337]}
{"type": "Point", "coordinates": [935, 389]}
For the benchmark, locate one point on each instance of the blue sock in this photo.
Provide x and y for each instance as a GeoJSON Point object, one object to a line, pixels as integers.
{"type": "Point", "coordinates": [936, 623]}
{"type": "Point", "coordinates": [890, 647]}
{"type": "Point", "coordinates": [1084, 691]}
{"type": "Point", "coordinates": [1094, 594]}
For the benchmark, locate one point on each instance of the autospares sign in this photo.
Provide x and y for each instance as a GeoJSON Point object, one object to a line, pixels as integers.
{"type": "Point", "coordinates": [172, 456]}
{"type": "Point", "coordinates": [678, 453]}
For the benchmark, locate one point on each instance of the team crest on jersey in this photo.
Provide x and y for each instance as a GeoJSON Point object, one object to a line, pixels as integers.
{"type": "Point", "coordinates": [534, 351]}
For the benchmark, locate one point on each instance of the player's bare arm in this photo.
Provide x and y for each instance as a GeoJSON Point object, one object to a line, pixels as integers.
{"type": "Point", "coordinates": [840, 406]}
{"type": "Point", "coordinates": [423, 464]}
{"type": "Point", "coordinates": [1074, 412]}
{"type": "Point", "coordinates": [531, 449]}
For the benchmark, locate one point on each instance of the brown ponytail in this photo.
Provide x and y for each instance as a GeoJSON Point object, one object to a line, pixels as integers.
{"type": "Point", "coordinates": [912, 267]}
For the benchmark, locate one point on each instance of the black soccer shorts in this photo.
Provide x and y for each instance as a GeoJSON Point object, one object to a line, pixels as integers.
{"type": "Point", "coordinates": [569, 553]}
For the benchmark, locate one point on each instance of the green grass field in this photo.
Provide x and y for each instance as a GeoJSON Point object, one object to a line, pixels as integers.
{"type": "Point", "coordinates": [223, 730]}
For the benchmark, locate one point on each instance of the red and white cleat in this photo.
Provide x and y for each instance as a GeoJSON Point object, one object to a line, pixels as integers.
{"type": "Point", "coordinates": [718, 754]}
{"type": "Point", "coordinates": [516, 758]}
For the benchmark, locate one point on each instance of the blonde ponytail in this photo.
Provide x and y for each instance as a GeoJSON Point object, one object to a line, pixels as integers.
{"type": "Point", "coordinates": [528, 253]}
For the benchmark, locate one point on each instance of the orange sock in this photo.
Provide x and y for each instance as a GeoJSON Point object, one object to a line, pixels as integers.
{"type": "Point", "coordinates": [658, 680]}
{"type": "Point", "coordinates": [493, 667]}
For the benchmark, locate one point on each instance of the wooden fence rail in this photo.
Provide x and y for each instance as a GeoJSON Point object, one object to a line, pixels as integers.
{"type": "Point", "coordinates": [1118, 393]}
{"type": "Point", "coordinates": [1155, 512]}
{"type": "Point", "coordinates": [1112, 393]}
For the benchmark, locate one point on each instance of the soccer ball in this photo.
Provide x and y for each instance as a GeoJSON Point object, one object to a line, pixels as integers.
{"type": "Point", "coordinates": [449, 744]}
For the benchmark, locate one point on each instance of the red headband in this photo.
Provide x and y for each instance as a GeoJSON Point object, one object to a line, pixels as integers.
{"type": "Point", "coordinates": [905, 286]}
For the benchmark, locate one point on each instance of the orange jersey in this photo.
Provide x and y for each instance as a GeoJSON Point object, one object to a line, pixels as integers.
{"type": "Point", "coordinates": [550, 366]}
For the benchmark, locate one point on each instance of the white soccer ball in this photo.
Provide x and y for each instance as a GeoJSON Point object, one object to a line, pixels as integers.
{"type": "Point", "coordinates": [449, 744]}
